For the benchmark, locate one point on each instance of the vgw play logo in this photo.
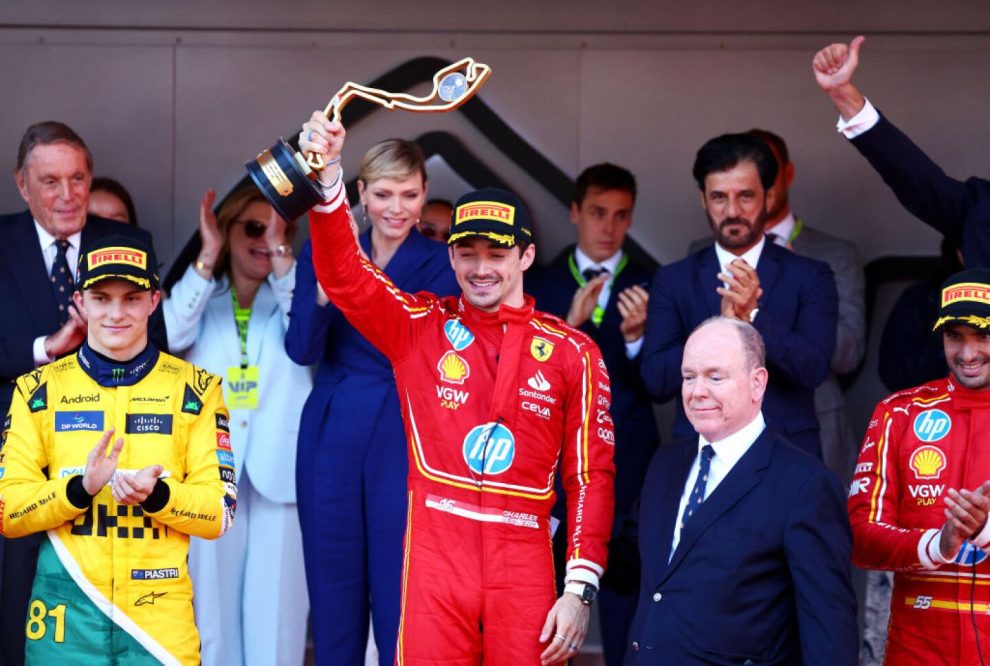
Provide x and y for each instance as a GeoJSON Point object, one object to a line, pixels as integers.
{"type": "Point", "coordinates": [489, 449]}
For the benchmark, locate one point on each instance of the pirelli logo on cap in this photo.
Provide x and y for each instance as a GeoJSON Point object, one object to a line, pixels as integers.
{"type": "Point", "coordinates": [117, 255]}
{"type": "Point", "coordinates": [486, 210]}
{"type": "Point", "coordinates": [966, 291]}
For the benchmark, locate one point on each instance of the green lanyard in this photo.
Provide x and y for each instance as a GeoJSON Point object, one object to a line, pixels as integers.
{"type": "Point", "coordinates": [242, 316]}
{"type": "Point", "coordinates": [796, 231]}
{"type": "Point", "coordinates": [599, 312]}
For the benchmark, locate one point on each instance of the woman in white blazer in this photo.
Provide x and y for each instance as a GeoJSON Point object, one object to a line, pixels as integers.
{"type": "Point", "coordinates": [228, 314]}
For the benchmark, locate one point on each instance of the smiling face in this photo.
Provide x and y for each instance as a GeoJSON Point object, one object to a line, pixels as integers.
{"type": "Point", "coordinates": [967, 352]}
{"type": "Point", "coordinates": [250, 257]}
{"type": "Point", "coordinates": [721, 392]}
{"type": "Point", "coordinates": [117, 312]}
{"type": "Point", "coordinates": [393, 205]}
{"type": "Point", "coordinates": [490, 275]}
{"type": "Point", "coordinates": [54, 182]}
{"type": "Point", "coordinates": [736, 206]}
{"type": "Point", "coordinates": [602, 220]}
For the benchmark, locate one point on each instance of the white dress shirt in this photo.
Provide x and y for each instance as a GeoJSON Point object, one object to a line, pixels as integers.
{"type": "Point", "coordinates": [584, 262]}
{"type": "Point", "coordinates": [727, 453]}
{"type": "Point", "coordinates": [750, 256]}
{"type": "Point", "coordinates": [860, 123]}
{"type": "Point", "coordinates": [781, 232]}
{"type": "Point", "coordinates": [48, 250]}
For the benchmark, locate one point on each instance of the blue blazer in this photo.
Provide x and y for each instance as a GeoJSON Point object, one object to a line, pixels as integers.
{"type": "Point", "coordinates": [26, 295]}
{"type": "Point", "coordinates": [958, 210]}
{"type": "Point", "coordinates": [636, 432]}
{"type": "Point", "coordinates": [761, 573]}
{"type": "Point", "coordinates": [798, 315]}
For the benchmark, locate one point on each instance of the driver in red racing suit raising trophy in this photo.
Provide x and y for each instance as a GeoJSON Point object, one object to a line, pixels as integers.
{"type": "Point", "coordinates": [493, 395]}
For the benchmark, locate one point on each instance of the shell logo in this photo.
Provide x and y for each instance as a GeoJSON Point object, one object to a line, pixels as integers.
{"type": "Point", "coordinates": [453, 369]}
{"type": "Point", "coordinates": [927, 462]}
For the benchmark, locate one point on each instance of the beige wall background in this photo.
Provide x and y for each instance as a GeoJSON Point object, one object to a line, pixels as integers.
{"type": "Point", "coordinates": [174, 97]}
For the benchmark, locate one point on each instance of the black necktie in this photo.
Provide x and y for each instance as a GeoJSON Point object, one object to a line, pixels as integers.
{"type": "Point", "coordinates": [592, 272]}
{"type": "Point", "coordinates": [62, 281]}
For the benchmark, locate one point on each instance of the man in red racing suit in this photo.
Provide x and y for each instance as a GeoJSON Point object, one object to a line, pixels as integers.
{"type": "Point", "coordinates": [492, 397]}
{"type": "Point", "coordinates": [925, 450]}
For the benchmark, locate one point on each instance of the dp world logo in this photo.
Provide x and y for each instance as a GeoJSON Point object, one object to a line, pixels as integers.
{"type": "Point", "coordinates": [489, 449]}
{"type": "Point", "coordinates": [932, 425]}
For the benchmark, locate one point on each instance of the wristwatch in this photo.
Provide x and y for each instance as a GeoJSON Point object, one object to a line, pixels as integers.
{"type": "Point", "coordinates": [283, 250]}
{"type": "Point", "coordinates": [587, 592]}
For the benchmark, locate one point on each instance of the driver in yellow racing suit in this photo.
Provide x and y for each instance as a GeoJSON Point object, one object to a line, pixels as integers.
{"type": "Point", "coordinates": [112, 585]}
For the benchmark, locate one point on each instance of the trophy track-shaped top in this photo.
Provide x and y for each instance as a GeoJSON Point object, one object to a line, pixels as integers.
{"type": "Point", "coordinates": [288, 179]}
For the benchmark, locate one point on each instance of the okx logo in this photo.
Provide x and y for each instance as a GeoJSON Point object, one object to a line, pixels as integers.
{"type": "Point", "coordinates": [489, 448]}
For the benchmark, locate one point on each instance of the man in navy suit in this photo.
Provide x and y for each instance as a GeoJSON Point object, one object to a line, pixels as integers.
{"type": "Point", "coordinates": [790, 299]}
{"type": "Point", "coordinates": [39, 248]}
{"type": "Point", "coordinates": [596, 286]}
{"type": "Point", "coordinates": [744, 540]}
{"type": "Point", "coordinates": [958, 210]}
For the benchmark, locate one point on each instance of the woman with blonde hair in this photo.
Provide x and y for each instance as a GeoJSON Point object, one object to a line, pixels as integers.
{"type": "Point", "coordinates": [351, 469]}
{"type": "Point", "coordinates": [228, 314]}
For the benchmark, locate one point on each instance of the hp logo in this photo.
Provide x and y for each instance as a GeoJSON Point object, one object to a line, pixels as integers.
{"type": "Point", "coordinates": [489, 449]}
{"type": "Point", "coordinates": [932, 425]}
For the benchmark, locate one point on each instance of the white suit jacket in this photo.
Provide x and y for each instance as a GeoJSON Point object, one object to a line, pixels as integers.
{"type": "Point", "coordinates": [199, 317]}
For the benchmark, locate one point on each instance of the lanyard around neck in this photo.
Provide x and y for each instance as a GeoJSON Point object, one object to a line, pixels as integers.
{"type": "Point", "coordinates": [599, 312]}
{"type": "Point", "coordinates": [242, 316]}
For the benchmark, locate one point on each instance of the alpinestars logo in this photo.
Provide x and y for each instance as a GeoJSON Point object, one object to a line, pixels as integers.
{"type": "Point", "coordinates": [539, 382]}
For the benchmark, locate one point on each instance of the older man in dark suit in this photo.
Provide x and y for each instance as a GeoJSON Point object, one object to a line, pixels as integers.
{"type": "Point", "coordinates": [39, 248]}
{"type": "Point", "coordinates": [744, 540]}
{"type": "Point", "coordinates": [790, 299]}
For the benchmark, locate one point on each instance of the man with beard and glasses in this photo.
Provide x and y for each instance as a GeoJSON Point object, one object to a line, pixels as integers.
{"type": "Point", "coordinates": [791, 300]}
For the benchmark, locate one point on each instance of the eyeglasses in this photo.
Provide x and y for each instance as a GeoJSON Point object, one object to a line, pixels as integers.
{"type": "Point", "coordinates": [252, 228]}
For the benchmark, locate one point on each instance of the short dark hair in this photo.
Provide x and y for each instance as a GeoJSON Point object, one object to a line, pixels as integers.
{"type": "Point", "coordinates": [725, 152]}
{"type": "Point", "coordinates": [104, 184]}
{"type": "Point", "coordinates": [47, 133]}
{"type": "Point", "coordinates": [775, 142]}
{"type": "Point", "coordinates": [604, 176]}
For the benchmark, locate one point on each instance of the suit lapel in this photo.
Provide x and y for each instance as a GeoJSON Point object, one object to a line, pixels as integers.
{"type": "Point", "coordinates": [222, 319]}
{"type": "Point", "coordinates": [672, 498]}
{"type": "Point", "coordinates": [742, 478]}
{"type": "Point", "coordinates": [32, 279]}
{"type": "Point", "coordinates": [261, 313]}
{"type": "Point", "coordinates": [707, 274]}
{"type": "Point", "coordinates": [768, 269]}
{"type": "Point", "coordinates": [406, 260]}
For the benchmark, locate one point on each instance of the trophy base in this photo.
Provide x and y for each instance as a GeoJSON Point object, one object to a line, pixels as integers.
{"type": "Point", "coordinates": [281, 175]}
